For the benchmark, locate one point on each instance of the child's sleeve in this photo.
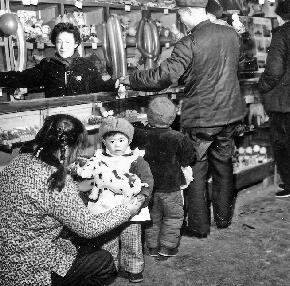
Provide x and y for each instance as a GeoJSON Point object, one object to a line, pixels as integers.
{"type": "Point", "coordinates": [186, 152]}
{"type": "Point", "coordinates": [141, 168]}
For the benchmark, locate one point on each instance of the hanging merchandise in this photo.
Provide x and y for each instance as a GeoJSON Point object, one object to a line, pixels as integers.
{"type": "Point", "coordinates": [8, 24]}
{"type": "Point", "coordinates": [114, 47]}
{"type": "Point", "coordinates": [11, 28]}
{"type": "Point", "coordinates": [147, 40]}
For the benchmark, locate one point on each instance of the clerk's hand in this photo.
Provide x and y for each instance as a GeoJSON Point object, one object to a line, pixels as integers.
{"type": "Point", "coordinates": [125, 80]}
{"type": "Point", "coordinates": [117, 83]}
{"type": "Point", "coordinates": [257, 110]}
{"type": "Point", "coordinates": [134, 206]}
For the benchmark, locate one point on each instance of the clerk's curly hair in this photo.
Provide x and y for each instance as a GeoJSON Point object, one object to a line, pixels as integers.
{"type": "Point", "coordinates": [57, 144]}
{"type": "Point", "coordinates": [65, 27]}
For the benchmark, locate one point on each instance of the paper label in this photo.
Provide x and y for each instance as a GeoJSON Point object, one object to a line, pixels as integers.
{"type": "Point", "coordinates": [26, 2]}
{"type": "Point", "coordinates": [173, 96]}
{"type": "Point", "coordinates": [40, 46]}
{"type": "Point", "coordinates": [1, 94]}
{"type": "Point", "coordinates": [249, 99]}
{"type": "Point", "coordinates": [29, 46]}
{"type": "Point", "coordinates": [165, 11]}
{"type": "Point", "coordinates": [167, 45]}
{"type": "Point", "coordinates": [79, 4]}
{"type": "Point", "coordinates": [99, 104]}
{"type": "Point", "coordinates": [34, 2]}
{"type": "Point", "coordinates": [127, 8]}
{"type": "Point", "coordinates": [94, 45]}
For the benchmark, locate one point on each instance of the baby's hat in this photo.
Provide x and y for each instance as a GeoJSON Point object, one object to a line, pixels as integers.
{"type": "Point", "coordinates": [161, 112]}
{"type": "Point", "coordinates": [113, 124]}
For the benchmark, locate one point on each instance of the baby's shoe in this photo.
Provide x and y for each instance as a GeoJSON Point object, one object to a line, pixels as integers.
{"type": "Point", "coordinates": [165, 253]}
{"type": "Point", "coordinates": [135, 277]}
{"type": "Point", "coordinates": [153, 251]}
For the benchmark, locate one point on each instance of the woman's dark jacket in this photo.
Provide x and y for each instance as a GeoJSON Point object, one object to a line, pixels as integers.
{"type": "Point", "coordinates": [207, 62]}
{"type": "Point", "coordinates": [166, 150]}
{"type": "Point", "coordinates": [59, 77]}
{"type": "Point", "coordinates": [274, 83]}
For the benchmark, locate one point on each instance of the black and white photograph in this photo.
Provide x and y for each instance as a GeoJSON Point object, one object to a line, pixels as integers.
{"type": "Point", "coordinates": [144, 142]}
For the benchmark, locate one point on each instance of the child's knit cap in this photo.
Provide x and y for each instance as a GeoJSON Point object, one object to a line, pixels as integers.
{"type": "Point", "coordinates": [113, 124]}
{"type": "Point", "coordinates": [161, 112]}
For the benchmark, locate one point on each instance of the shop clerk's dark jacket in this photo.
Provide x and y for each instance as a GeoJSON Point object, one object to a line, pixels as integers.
{"type": "Point", "coordinates": [59, 77]}
{"type": "Point", "coordinates": [274, 83]}
{"type": "Point", "coordinates": [207, 61]}
{"type": "Point", "coordinates": [166, 150]}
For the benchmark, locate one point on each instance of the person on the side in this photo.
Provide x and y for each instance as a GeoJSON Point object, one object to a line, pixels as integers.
{"type": "Point", "coordinates": [275, 96]}
{"type": "Point", "coordinates": [206, 62]}
{"type": "Point", "coordinates": [38, 198]}
{"type": "Point", "coordinates": [66, 73]}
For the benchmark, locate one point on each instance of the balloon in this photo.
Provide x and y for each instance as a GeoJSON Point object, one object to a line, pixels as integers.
{"type": "Point", "coordinates": [8, 24]}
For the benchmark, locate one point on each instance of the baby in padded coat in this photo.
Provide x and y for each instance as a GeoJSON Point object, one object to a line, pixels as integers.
{"type": "Point", "coordinates": [120, 174]}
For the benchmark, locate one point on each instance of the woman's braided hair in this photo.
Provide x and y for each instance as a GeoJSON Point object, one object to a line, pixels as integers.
{"type": "Point", "coordinates": [60, 134]}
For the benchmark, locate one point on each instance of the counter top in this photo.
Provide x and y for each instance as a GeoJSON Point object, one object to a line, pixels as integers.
{"type": "Point", "coordinates": [43, 103]}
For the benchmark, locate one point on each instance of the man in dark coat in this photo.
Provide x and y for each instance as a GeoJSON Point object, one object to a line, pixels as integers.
{"type": "Point", "coordinates": [206, 61]}
{"type": "Point", "coordinates": [65, 74]}
{"type": "Point", "coordinates": [274, 87]}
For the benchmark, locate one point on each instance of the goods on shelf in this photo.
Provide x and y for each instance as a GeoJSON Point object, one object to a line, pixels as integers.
{"type": "Point", "coordinates": [35, 30]}
{"type": "Point", "coordinates": [20, 134]}
{"type": "Point", "coordinates": [133, 115]}
{"type": "Point", "coordinates": [102, 113]}
{"type": "Point", "coordinates": [249, 157]}
{"type": "Point", "coordinates": [95, 120]}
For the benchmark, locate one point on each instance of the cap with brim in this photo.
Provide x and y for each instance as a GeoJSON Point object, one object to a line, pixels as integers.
{"type": "Point", "coordinates": [191, 3]}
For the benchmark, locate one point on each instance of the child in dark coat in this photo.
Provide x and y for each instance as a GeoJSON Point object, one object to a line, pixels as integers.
{"type": "Point", "coordinates": [166, 151]}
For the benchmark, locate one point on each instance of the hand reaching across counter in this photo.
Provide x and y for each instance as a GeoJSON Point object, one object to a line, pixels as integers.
{"type": "Point", "coordinates": [124, 80]}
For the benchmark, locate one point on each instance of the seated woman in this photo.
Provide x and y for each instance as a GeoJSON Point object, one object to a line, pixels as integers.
{"type": "Point", "coordinates": [37, 199]}
{"type": "Point", "coordinates": [64, 74]}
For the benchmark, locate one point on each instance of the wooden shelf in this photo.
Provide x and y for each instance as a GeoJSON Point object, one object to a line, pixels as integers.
{"type": "Point", "coordinates": [101, 4]}
{"type": "Point", "coordinates": [253, 174]}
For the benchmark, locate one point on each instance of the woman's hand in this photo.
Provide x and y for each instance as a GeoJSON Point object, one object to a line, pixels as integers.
{"type": "Point", "coordinates": [134, 206]}
{"type": "Point", "coordinates": [141, 199]}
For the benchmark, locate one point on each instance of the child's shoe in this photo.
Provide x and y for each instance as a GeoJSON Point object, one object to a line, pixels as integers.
{"type": "Point", "coordinates": [165, 253]}
{"type": "Point", "coordinates": [153, 251]}
{"type": "Point", "coordinates": [135, 277]}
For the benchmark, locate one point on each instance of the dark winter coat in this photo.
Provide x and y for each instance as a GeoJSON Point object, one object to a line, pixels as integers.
{"type": "Point", "coordinates": [207, 62]}
{"type": "Point", "coordinates": [166, 151]}
{"type": "Point", "coordinates": [274, 83]}
{"type": "Point", "coordinates": [59, 77]}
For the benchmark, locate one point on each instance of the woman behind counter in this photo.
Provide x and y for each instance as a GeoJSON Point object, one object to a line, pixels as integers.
{"type": "Point", "coordinates": [37, 199]}
{"type": "Point", "coordinates": [64, 74]}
